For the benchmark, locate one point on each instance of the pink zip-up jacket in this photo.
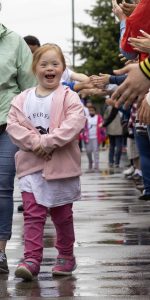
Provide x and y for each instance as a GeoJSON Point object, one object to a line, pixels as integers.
{"type": "Point", "coordinates": [100, 131]}
{"type": "Point", "coordinates": [66, 121]}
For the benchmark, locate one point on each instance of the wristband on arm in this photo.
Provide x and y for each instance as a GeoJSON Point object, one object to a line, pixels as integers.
{"type": "Point", "coordinates": [145, 67]}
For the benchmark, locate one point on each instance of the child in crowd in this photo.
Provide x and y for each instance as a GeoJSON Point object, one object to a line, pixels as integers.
{"type": "Point", "coordinates": [93, 135]}
{"type": "Point", "coordinates": [33, 42]}
{"type": "Point", "coordinates": [44, 122]}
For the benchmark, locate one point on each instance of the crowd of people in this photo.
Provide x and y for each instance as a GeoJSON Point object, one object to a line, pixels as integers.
{"type": "Point", "coordinates": [41, 119]}
{"type": "Point", "coordinates": [129, 97]}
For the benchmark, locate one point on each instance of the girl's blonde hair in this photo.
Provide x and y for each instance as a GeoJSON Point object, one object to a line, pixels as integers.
{"type": "Point", "coordinates": [41, 50]}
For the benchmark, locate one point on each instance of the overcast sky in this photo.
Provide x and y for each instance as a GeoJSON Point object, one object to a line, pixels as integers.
{"type": "Point", "coordinates": [49, 20]}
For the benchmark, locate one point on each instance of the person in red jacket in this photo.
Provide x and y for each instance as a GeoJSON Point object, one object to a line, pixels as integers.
{"type": "Point", "coordinates": [137, 83]}
{"type": "Point", "coordinates": [137, 21]}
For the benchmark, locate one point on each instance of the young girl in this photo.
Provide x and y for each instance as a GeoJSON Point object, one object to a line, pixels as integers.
{"type": "Point", "coordinates": [93, 135]}
{"type": "Point", "coordinates": [44, 122]}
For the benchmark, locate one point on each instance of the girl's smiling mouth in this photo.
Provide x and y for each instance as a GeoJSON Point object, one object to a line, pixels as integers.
{"type": "Point", "coordinates": [50, 76]}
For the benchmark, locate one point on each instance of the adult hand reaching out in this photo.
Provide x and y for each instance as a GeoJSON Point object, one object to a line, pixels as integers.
{"type": "Point", "coordinates": [100, 81]}
{"type": "Point", "coordinates": [117, 10]}
{"type": "Point", "coordinates": [125, 60]}
{"type": "Point", "coordinates": [92, 92]}
{"type": "Point", "coordinates": [141, 43]}
{"type": "Point", "coordinates": [134, 87]}
{"type": "Point", "coordinates": [109, 101]}
{"type": "Point", "coordinates": [128, 8]}
{"type": "Point", "coordinates": [144, 112]}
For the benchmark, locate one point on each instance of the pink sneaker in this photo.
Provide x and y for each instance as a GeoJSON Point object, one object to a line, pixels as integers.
{"type": "Point", "coordinates": [65, 265]}
{"type": "Point", "coordinates": [27, 270]}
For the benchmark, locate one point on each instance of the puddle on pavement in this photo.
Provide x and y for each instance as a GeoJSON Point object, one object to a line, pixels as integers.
{"type": "Point", "coordinates": [99, 273]}
{"type": "Point", "coordinates": [116, 277]}
{"type": "Point", "coordinates": [121, 234]}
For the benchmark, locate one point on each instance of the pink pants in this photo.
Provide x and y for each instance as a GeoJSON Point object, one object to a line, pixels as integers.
{"type": "Point", "coordinates": [34, 221]}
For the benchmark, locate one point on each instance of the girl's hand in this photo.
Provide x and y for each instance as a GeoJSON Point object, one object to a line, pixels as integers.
{"type": "Point", "coordinates": [41, 153]}
{"type": "Point", "coordinates": [100, 125]}
{"type": "Point", "coordinates": [141, 43]}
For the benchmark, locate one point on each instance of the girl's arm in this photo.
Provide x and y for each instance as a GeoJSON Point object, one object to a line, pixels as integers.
{"type": "Point", "coordinates": [25, 138]}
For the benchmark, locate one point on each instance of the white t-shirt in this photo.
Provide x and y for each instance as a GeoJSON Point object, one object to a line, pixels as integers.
{"type": "Point", "coordinates": [92, 127]}
{"type": "Point", "coordinates": [66, 76]}
{"type": "Point", "coordinates": [49, 193]}
{"type": "Point", "coordinates": [37, 109]}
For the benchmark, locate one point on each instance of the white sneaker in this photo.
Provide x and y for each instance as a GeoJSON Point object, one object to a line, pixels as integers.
{"type": "Point", "coordinates": [129, 171]}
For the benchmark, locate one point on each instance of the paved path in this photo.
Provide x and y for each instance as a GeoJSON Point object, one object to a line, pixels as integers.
{"type": "Point", "coordinates": [112, 245]}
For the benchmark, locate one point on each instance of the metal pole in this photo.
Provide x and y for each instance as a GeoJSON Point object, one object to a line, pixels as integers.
{"type": "Point", "coordinates": [73, 35]}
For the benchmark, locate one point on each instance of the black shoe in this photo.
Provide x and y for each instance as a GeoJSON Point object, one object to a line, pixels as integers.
{"type": "Point", "coordinates": [140, 187]}
{"type": "Point", "coordinates": [3, 263]}
{"type": "Point", "coordinates": [136, 177]}
{"type": "Point", "coordinates": [20, 208]}
{"type": "Point", "coordinates": [145, 197]}
{"type": "Point", "coordinates": [117, 166]}
{"type": "Point", "coordinates": [111, 165]}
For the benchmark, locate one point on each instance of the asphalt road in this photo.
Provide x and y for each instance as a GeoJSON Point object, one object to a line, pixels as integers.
{"type": "Point", "coordinates": [112, 244]}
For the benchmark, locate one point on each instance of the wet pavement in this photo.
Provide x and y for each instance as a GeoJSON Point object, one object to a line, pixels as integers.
{"type": "Point", "coordinates": [112, 244]}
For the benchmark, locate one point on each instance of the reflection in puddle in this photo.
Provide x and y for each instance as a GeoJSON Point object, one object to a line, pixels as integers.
{"type": "Point", "coordinates": [108, 220]}
{"type": "Point", "coordinates": [47, 286]}
{"type": "Point", "coordinates": [119, 234]}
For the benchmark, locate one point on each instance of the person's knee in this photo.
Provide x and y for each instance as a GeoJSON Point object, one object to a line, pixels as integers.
{"type": "Point", "coordinates": [62, 214]}
{"type": "Point", "coordinates": [33, 211]}
{"type": "Point", "coordinates": [6, 183]}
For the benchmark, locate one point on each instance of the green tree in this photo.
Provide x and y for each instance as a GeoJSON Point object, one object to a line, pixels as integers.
{"type": "Point", "coordinates": [99, 51]}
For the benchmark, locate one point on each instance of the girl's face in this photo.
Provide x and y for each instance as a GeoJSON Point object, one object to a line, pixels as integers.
{"type": "Point", "coordinates": [49, 70]}
{"type": "Point", "coordinates": [92, 111]}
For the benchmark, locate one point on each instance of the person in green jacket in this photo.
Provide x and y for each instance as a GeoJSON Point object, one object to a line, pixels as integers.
{"type": "Point", "coordinates": [15, 76]}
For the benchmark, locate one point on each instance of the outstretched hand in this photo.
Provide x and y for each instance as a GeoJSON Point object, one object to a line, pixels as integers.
{"type": "Point", "coordinates": [109, 101]}
{"type": "Point", "coordinates": [125, 60]}
{"type": "Point", "coordinates": [92, 92]}
{"type": "Point", "coordinates": [100, 81]}
{"type": "Point", "coordinates": [141, 43]}
{"type": "Point", "coordinates": [127, 8]}
{"type": "Point", "coordinates": [134, 87]}
{"type": "Point", "coordinates": [117, 10]}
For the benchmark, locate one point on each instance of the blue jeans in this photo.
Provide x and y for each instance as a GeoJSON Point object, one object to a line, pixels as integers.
{"type": "Point", "coordinates": [115, 148]}
{"type": "Point", "coordinates": [148, 130]}
{"type": "Point", "coordinates": [7, 174]}
{"type": "Point", "coordinates": [143, 143]}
